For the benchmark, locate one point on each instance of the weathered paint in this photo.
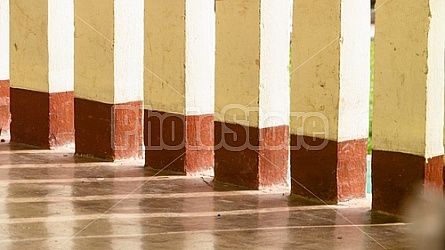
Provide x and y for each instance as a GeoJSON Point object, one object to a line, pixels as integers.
{"type": "Point", "coordinates": [108, 131]}
{"type": "Point", "coordinates": [329, 99]}
{"type": "Point", "coordinates": [42, 119]}
{"type": "Point", "coordinates": [252, 92]}
{"type": "Point", "coordinates": [94, 50]}
{"type": "Point", "coordinates": [179, 85]}
{"type": "Point", "coordinates": [408, 102]}
{"type": "Point", "coordinates": [315, 70]}
{"type": "Point", "coordinates": [397, 176]}
{"type": "Point", "coordinates": [238, 61]}
{"type": "Point", "coordinates": [109, 47]}
{"type": "Point", "coordinates": [164, 75]}
{"type": "Point", "coordinates": [42, 45]}
{"type": "Point", "coordinates": [42, 54]}
{"type": "Point", "coordinates": [408, 92]}
{"type": "Point", "coordinates": [29, 45]}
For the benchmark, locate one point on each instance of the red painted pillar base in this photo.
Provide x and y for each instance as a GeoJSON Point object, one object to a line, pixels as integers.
{"type": "Point", "coordinates": [5, 115]}
{"type": "Point", "coordinates": [178, 143]}
{"type": "Point", "coordinates": [328, 170]}
{"type": "Point", "coordinates": [251, 157]}
{"type": "Point", "coordinates": [236, 157]}
{"type": "Point", "coordinates": [42, 119]}
{"type": "Point", "coordinates": [108, 131]}
{"type": "Point", "coordinates": [273, 154]}
{"type": "Point", "coordinates": [199, 155]}
{"type": "Point", "coordinates": [396, 175]}
{"type": "Point", "coordinates": [164, 140]}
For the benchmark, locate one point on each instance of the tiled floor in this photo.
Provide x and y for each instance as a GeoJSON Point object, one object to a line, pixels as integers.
{"type": "Point", "coordinates": [52, 200]}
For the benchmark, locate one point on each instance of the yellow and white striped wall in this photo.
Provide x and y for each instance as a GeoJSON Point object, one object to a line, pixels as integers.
{"type": "Point", "coordinates": [42, 74]}
{"type": "Point", "coordinates": [109, 49]}
{"type": "Point", "coordinates": [179, 85]}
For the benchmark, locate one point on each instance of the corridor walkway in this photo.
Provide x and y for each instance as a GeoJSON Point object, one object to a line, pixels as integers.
{"type": "Point", "coordinates": [52, 200]}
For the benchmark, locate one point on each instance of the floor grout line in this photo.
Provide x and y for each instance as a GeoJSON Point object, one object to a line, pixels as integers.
{"type": "Point", "coordinates": [126, 216]}
{"type": "Point", "coordinates": [57, 198]}
{"type": "Point", "coordinates": [43, 165]}
{"type": "Point", "coordinates": [98, 180]}
{"type": "Point", "coordinates": [203, 232]}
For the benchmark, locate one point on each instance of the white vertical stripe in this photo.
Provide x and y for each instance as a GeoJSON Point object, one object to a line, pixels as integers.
{"type": "Point", "coordinates": [354, 70]}
{"type": "Point", "coordinates": [61, 45]}
{"type": "Point", "coordinates": [4, 39]}
{"type": "Point", "coordinates": [200, 56]}
{"type": "Point", "coordinates": [128, 50]}
{"type": "Point", "coordinates": [275, 33]}
{"type": "Point", "coordinates": [435, 81]}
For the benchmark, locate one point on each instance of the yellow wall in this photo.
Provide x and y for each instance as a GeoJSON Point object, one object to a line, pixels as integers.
{"type": "Point", "coordinates": [315, 81]}
{"type": "Point", "coordinates": [164, 75]}
{"type": "Point", "coordinates": [94, 50]}
{"type": "Point", "coordinates": [29, 44]}
{"type": "Point", "coordinates": [401, 68]}
{"type": "Point", "coordinates": [237, 59]}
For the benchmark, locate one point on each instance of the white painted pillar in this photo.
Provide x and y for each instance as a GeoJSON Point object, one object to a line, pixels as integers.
{"type": "Point", "coordinates": [5, 117]}
{"type": "Point", "coordinates": [330, 98]}
{"type": "Point", "coordinates": [109, 78]}
{"type": "Point", "coordinates": [408, 101]}
{"type": "Point", "coordinates": [42, 59]}
{"type": "Point", "coordinates": [252, 92]}
{"type": "Point", "coordinates": [179, 84]}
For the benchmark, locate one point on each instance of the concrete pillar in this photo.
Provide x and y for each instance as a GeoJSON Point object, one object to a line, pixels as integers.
{"type": "Point", "coordinates": [408, 101]}
{"type": "Point", "coordinates": [252, 92]}
{"type": "Point", "coordinates": [329, 99]}
{"type": "Point", "coordinates": [109, 78]}
{"type": "Point", "coordinates": [42, 55]}
{"type": "Point", "coordinates": [179, 85]}
{"type": "Point", "coordinates": [5, 116]}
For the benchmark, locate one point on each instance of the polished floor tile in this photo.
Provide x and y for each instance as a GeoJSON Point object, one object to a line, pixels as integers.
{"type": "Point", "coordinates": [54, 200]}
